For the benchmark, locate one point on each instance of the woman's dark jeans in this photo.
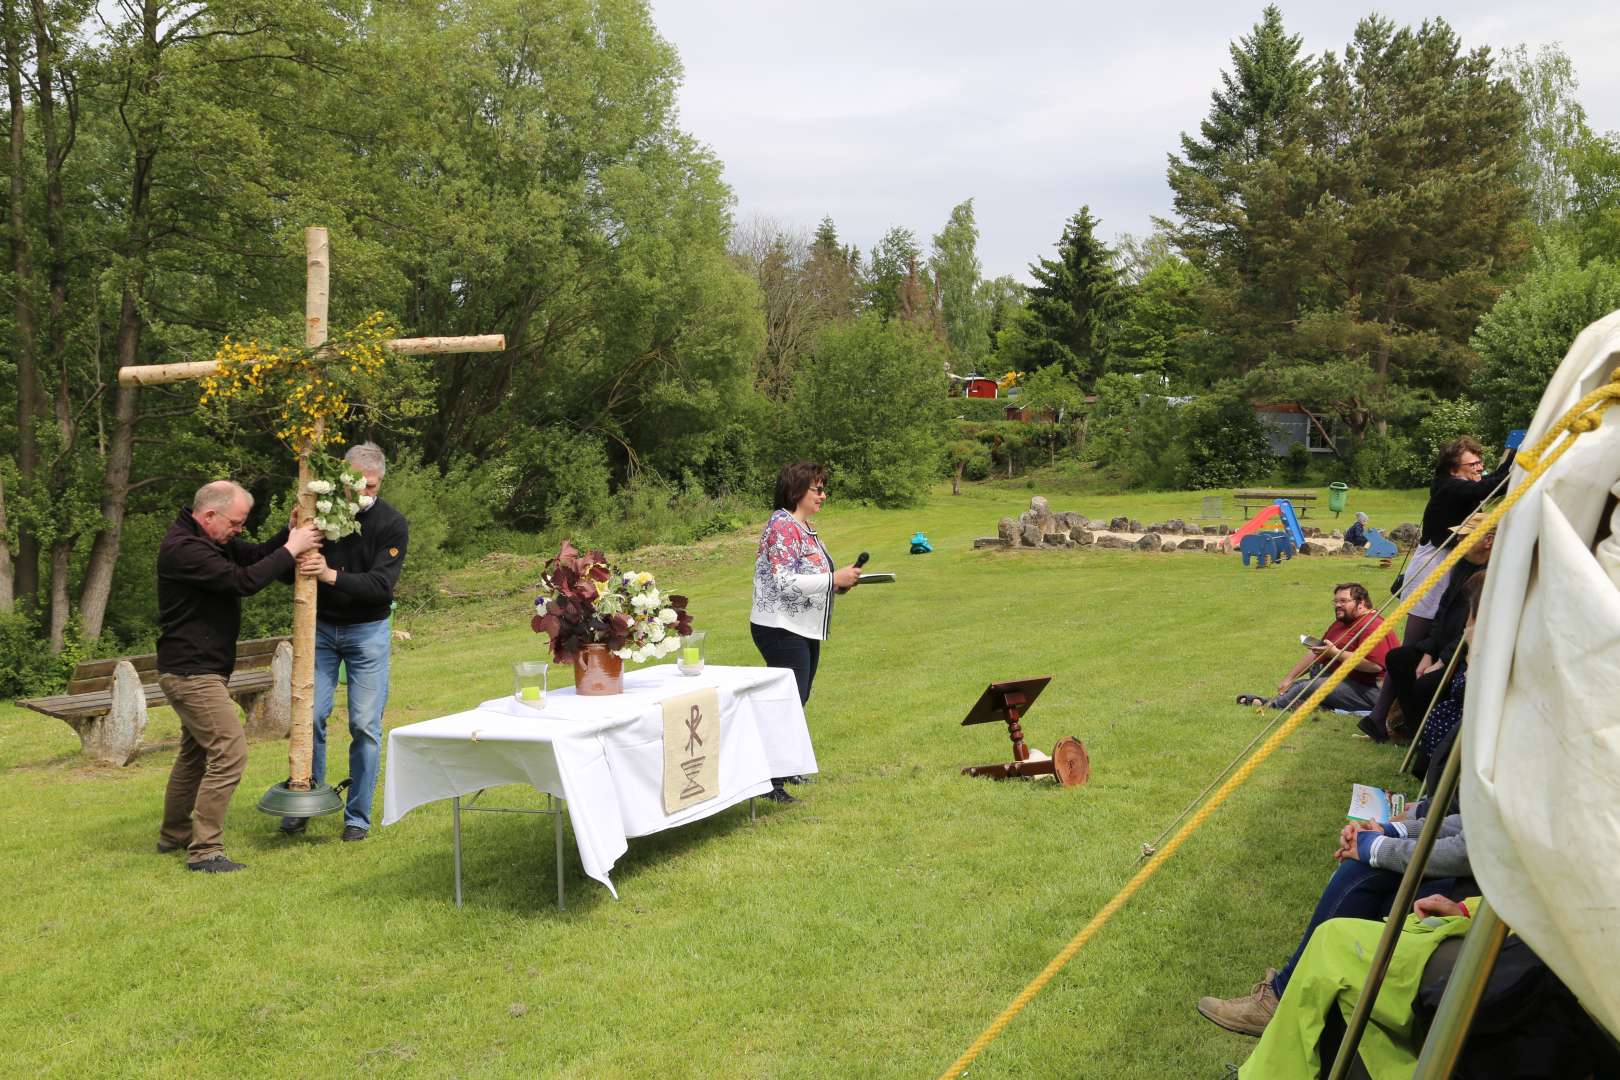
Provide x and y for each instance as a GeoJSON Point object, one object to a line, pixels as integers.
{"type": "Point", "coordinates": [784, 648]}
{"type": "Point", "coordinates": [1356, 891]}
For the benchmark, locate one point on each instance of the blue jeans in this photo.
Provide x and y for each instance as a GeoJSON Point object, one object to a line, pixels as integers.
{"type": "Point", "coordinates": [1355, 891]}
{"type": "Point", "coordinates": [364, 649]}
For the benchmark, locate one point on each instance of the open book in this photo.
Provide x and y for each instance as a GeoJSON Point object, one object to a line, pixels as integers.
{"type": "Point", "coordinates": [1374, 804]}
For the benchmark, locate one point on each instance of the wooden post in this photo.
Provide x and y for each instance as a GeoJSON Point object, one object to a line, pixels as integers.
{"type": "Point", "coordinates": [301, 737]}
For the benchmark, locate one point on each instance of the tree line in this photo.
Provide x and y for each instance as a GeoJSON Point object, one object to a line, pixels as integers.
{"type": "Point", "coordinates": [1405, 228]}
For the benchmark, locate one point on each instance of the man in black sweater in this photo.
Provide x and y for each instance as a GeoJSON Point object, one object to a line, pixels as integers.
{"type": "Point", "coordinates": [356, 576]}
{"type": "Point", "coordinates": [203, 573]}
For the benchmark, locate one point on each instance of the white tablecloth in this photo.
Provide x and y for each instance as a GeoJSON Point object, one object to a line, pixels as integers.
{"type": "Point", "coordinates": [603, 755]}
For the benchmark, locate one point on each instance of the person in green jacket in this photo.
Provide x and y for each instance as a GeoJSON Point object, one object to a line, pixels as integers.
{"type": "Point", "coordinates": [1331, 974]}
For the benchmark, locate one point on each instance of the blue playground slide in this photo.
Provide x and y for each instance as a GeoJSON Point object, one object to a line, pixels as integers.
{"type": "Point", "coordinates": [1290, 522]}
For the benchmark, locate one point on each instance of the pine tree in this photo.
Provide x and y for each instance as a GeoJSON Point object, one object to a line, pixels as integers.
{"type": "Point", "coordinates": [1256, 110]}
{"type": "Point", "coordinates": [1073, 304]}
{"type": "Point", "coordinates": [832, 273]}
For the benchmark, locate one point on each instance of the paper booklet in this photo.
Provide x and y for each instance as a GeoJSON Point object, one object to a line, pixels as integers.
{"type": "Point", "coordinates": [1374, 804]}
{"type": "Point", "coordinates": [877, 579]}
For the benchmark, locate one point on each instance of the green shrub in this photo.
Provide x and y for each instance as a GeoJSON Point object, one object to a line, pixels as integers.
{"type": "Point", "coordinates": [1525, 336]}
{"type": "Point", "coordinates": [26, 664]}
{"type": "Point", "coordinates": [649, 511]}
{"type": "Point", "coordinates": [553, 476]}
{"type": "Point", "coordinates": [981, 410]}
{"type": "Point", "coordinates": [1221, 442]}
{"type": "Point", "coordinates": [870, 405]}
{"type": "Point", "coordinates": [1387, 461]}
{"type": "Point", "coordinates": [1446, 421]}
{"type": "Point", "coordinates": [1296, 464]}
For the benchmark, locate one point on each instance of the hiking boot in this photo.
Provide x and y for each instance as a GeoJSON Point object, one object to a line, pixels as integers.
{"type": "Point", "coordinates": [353, 832]}
{"type": "Point", "coordinates": [1246, 1015]}
{"type": "Point", "coordinates": [292, 826]}
{"type": "Point", "coordinates": [219, 864]}
{"type": "Point", "coordinates": [166, 848]}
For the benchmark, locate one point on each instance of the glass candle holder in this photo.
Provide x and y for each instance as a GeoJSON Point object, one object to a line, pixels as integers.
{"type": "Point", "coordinates": [689, 657]}
{"type": "Point", "coordinates": [529, 683]}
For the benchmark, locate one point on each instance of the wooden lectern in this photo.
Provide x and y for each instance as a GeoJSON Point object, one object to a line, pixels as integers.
{"type": "Point", "coordinates": [1008, 702]}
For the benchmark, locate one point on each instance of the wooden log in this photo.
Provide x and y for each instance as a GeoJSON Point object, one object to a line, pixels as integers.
{"type": "Point", "coordinates": [301, 735]}
{"type": "Point", "coordinates": [115, 738]}
{"type": "Point", "coordinates": [270, 714]}
{"type": "Point", "coordinates": [158, 374]}
{"type": "Point", "coordinates": [429, 346]}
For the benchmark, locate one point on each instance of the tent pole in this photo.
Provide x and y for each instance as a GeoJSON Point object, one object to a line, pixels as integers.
{"type": "Point", "coordinates": [1467, 985]}
{"type": "Point", "coordinates": [1445, 681]}
{"type": "Point", "coordinates": [1404, 896]}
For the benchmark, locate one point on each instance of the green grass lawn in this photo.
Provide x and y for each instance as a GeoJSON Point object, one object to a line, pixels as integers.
{"type": "Point", "coordinates": [871, 930]}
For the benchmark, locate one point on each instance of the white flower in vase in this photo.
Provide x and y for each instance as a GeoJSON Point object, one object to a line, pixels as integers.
{"type": "Point", "coordinates": [668, 616]}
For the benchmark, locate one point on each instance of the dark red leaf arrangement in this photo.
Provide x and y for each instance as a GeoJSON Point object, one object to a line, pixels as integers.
{"type": "Point", "coordinates": [590, 602]}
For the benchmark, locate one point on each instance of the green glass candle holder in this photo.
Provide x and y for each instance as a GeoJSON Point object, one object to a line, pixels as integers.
{"type": "Point", "coordinates": [529, 683]}
{"type": "Point", "coordinates": [689, 657]}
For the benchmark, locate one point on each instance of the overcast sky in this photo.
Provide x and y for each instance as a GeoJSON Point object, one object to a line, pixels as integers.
{"type": "Point", "coordinates": [889, 112]}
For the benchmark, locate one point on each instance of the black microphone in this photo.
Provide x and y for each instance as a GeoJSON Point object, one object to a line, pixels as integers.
{"type": "Point", "coordinates": [860, 560]}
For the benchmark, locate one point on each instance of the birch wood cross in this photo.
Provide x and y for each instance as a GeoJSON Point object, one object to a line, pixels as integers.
{"type": "Point", "coordinates": [317, 261]}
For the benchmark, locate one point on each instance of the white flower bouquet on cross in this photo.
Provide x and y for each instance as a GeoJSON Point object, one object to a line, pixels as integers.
{"type": "Point", "coordinates": [338, 495]}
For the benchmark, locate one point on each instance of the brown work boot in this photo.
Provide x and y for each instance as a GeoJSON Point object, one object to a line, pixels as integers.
{"type": "Point", "coordinates": [1247, 1015]}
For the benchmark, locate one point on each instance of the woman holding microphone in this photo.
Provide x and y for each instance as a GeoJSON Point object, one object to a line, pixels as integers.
{"type": "Point", "coordinates": [794, 583]}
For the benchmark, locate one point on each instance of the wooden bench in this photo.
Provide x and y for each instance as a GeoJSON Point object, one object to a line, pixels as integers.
{"type": "Point", "coordinates": [106, 700]}
{"type": "Point", "coordinates": [1253, 500]}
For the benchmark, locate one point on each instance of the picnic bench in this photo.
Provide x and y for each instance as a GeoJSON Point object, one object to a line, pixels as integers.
{"type": "Point", "coordinates": [1254, 499]}
{"type": "Point", "coordinates": [106, 700]}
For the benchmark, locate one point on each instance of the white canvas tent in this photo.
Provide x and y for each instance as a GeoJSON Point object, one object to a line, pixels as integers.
{"type": "Point", "coordinates": [1541, 734]}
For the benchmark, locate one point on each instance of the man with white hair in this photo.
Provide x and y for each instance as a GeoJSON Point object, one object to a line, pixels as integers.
{"type": "Point", "coordinates": [356, 576]}
{"type": "Point", "coordinates": [203, 573]}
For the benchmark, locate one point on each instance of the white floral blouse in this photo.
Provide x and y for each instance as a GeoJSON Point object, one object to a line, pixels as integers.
{"type": "Point", "coordinates": [793, 579]}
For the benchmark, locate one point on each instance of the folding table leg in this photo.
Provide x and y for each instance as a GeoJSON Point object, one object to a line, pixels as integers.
{"type": "Point", "coordinates": [555, 807]}
{"type": "Point", "coordinates": [455, 817]}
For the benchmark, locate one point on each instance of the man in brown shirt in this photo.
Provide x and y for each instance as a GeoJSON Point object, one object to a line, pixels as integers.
{"type": "Point", "coordinates": [203, 573]}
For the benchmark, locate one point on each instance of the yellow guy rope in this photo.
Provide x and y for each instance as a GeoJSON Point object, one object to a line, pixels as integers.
{"type": "Point", "coordinates": [1584, 416]}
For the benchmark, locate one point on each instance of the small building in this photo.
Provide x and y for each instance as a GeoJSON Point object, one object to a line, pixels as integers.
{"type": "Point", "coordinates": [1289, 424]}
{"type": "Point", "coordinates": [979, 386]}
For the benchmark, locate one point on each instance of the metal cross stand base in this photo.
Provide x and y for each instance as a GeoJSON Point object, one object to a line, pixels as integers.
{"type": "Point", "coordinates": [1007, 702]}
{"type": "Point", "coordinates": [555, 807]}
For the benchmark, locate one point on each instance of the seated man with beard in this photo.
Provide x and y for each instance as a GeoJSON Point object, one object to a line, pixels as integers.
{"type": "Point", "coordinates": [1354, 619]}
